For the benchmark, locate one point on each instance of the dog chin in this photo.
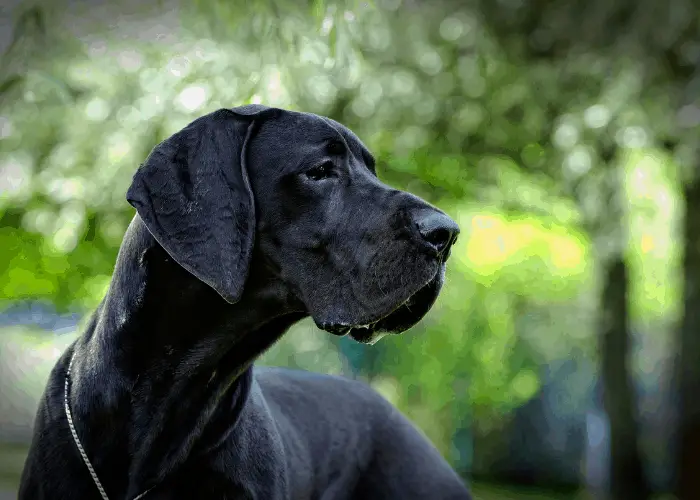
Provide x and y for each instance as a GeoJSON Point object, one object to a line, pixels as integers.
{"type": "Point", "coordinates": [395, 321]}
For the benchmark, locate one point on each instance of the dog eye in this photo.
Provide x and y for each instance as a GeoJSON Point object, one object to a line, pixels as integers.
{"type": "Point", "coordinates": [320, 172]}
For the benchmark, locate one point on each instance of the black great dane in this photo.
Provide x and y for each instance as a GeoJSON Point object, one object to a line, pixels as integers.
{"type": "Point", "coordinates": [248, 220]}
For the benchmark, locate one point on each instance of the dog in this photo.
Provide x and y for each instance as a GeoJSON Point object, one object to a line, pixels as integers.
{"type": "Point", "coordinates": [247, 221]}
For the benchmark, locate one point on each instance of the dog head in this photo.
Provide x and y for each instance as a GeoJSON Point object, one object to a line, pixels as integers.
{"type": "Point", "coordinates": [299, 193]}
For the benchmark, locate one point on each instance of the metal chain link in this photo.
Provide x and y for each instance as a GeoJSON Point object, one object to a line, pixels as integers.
{"type": "Point", "coordinates": [77, 440]}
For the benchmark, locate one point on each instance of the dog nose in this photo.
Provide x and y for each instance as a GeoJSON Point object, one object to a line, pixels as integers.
{"type": "Point", "coordinates": [438, 230]}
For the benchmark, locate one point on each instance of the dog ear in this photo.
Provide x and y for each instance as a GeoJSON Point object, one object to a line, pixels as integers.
{"type": "Point", "coordinates": [194, 196]}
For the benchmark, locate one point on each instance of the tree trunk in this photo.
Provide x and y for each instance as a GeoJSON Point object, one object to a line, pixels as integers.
{"type": "Point", "coordinates": [688, 459]}
{"type": "Point", "coordinates": [627, 478]}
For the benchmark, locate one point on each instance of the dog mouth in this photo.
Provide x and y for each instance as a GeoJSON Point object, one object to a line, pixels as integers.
{"type": "Point", "coordinates": [399, 319]}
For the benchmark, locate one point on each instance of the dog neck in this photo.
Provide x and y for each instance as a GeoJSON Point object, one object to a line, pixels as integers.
{"type": "Point", "coordinates": [164, 367]}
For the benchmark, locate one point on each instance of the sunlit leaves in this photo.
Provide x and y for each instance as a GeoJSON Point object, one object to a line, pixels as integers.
{"type": "Point", "coordinates": [26, 271]}
{"type": "Point", "coordinates": [526, 255]}
{"type": "Point", "coordinates": [654, 253]}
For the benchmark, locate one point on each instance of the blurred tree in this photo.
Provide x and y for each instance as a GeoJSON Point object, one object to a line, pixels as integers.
{"type": "Point", "coordinates": [689, 351]}
{"type": "Point", "coordinates": [685, 79]}
{"type": "Point", "coordinates": [662, 37]}
{"type": "Point", "coordinates": [627, 475]}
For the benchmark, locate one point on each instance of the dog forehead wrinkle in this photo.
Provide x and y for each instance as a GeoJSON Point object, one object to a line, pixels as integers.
{"type": "Point", "coordinates": [306, 135]}
{"type": "Point", "coordinates": [337, 130]}
{"type": "Point", "coordinates": [351, 138]}
{"type": "Point", "coordinates": [345, 135]}
{"type": "Point", "coordinates": [271, 154]}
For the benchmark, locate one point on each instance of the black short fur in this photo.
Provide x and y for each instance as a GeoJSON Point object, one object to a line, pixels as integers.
{"type": "Point", "coordinates": [248, 220]}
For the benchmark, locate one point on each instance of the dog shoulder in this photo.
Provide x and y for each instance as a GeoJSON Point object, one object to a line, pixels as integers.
{"type": "Point", "coordinates": [303, 392]}
{"type": "Point", "coordinates": [322, 384]}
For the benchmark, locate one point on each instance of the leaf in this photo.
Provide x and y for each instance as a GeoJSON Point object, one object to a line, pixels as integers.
{"type": "Point", "coordinates": [10, 83]}
{"type": "Point", "coordinates": [318, 10]}
{"type": "Point", "coordinates": [333, 41]}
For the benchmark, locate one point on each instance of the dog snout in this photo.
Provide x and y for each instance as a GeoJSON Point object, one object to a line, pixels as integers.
{"type": "Point", "coordinates": [437, 230]}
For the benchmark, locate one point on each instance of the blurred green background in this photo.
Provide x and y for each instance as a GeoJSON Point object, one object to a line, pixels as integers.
{"type": "Point", "coordinates": [562, 359]}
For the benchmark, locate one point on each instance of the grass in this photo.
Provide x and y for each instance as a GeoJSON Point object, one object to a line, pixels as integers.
{"type": "Point", "coordinates": [491, 491]}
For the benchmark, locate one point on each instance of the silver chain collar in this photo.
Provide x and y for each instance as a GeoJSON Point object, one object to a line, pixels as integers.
{"type": "Point", "coordinates": [77, 440]}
